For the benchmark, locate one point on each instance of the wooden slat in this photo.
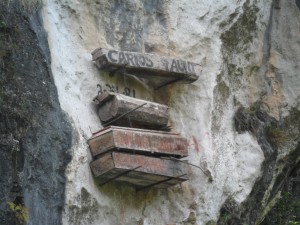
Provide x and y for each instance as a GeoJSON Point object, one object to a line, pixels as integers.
{"type": "Point", "coordinates": [152, 169]}
{"type": "Point", "coordinates": [139, 141]}
{"type": "Point", "coordinates": [151, 115]}
{"type": "Point", "coordinates": [102, 165]}
{"type": "Point", "coordinates": [159, 69]}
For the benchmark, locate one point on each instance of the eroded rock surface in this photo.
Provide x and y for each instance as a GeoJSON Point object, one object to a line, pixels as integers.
{"type": "Point", "coordinates": [35, 136]}
{"type": "Point", "coordinates": [241, 116]}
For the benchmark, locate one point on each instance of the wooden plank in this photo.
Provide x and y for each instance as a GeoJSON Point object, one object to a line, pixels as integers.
{"type": "Point", "coordinates": [152, 169]}
{"type": "Point", "coordinates": [139, 141]}
{"type": "Point", "coordinates": [102, 165]}
{"type": "Point", "coordinates": [149, 66]}
{"type": "Point", "coordinates": [113, 105]}
{"type": "Point", "coordinates": [102, 143]}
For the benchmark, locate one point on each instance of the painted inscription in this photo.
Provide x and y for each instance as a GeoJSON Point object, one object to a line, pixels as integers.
{"type": "Point", "coordinates": [140, 60]}
{"type": "Point", "coordinates": [107, 87]}
{"type": "Point", "coordinates": [193, 143]}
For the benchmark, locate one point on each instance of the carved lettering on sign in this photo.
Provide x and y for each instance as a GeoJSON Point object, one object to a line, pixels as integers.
{"type": "Point", "coordinates": [145, 60]}
{"type": "Point", "coordinates": [129, 58]}
{"type": "Point", "coordinates": [111, 57]}
{"type": "Point", "coordinates": [160, 70]}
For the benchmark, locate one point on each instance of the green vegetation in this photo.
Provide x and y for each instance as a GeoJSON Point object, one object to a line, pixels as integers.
{"type": "Point", "coordinates": [241, 32]}
{"type": "Point", "coordinates": [278, 136]}
{"type": "Point", "coordinates": [20, 211]}
{"type": "Point", "coordinates": [286, 210]}
{"type": "Point", "coordinates": [223, 90]}
{"type": "Point", "coordinates": [192, 219]}
{"type": "Point", "coordinates": [234, 70]}
{"type": "Point", "coordinates": [211, 222]}
{"type": "Point", "coordinates": [229, 212]}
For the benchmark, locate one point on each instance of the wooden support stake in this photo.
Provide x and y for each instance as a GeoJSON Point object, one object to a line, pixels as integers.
{"type": "Point", "coordinates": [159, 182]}
{"type": "Point", "coordinates": [122, 174]}
{"type": "Point", "coordinates": [205, 173]}
{"type": "Point", "coordinates": [167, 83]}
{"type": "Point", "coordinates": [130, 111]}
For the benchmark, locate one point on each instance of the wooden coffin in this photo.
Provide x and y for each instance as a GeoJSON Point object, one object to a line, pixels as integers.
{"type": "Point", "coordinates": [142, 171]}
{"type": "Point", "coordinates": [112, 105]}
{"type": "Point", "coordinates": [140, 141]}
{"type": "Point", "coordinates": [160, 69]}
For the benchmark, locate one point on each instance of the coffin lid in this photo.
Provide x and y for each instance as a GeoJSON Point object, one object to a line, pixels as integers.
{"type": "Point", "coordinates": [110, 128]}
{"type": "Point", "coordinates": [108, 95]}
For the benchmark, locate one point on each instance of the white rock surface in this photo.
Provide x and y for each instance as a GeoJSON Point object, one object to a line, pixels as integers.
{"type": "Point", "coordinates": [189, 30]}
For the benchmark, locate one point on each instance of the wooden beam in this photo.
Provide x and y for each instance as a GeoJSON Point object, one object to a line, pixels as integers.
{"type": "Point", "coordinates": [139, 141]}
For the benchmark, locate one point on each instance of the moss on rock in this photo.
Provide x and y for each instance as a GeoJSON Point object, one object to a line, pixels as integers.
{"type": "Point", "coordinates": [240, 34]}
{"type": "Point", "coordinates": [277, 175]}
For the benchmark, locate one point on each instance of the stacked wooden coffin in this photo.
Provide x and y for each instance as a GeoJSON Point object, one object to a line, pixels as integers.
{"type": "Point", "coordinates": [135, 145]}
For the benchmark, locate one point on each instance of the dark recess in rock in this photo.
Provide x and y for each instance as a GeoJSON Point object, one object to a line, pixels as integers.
{"type": "Point", "coordinates": [287, 209]}
{"type": "Point", "coordinates": [132, 28]}
{"type": "Point", "coordinates": [130, 25]}
{"type": "Point", "coordinates": [237, 38]}
{"type": "Point", "coordinates": [156, 8]}
{"type": "Point", "coordinates": [270, 134]}
{"type": "Point", "coordinates": [298, 3]}
{"type": "Point", "coordinates": [35, 136]}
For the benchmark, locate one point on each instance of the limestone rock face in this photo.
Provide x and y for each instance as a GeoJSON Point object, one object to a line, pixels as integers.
{"type": "Point", "coordinates": [241, 117]}
{"type": "Point", "coordinates": [233, 115]}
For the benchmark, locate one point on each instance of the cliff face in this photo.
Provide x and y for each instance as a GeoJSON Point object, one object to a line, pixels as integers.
{"type": "Point", "coordinates": [35, 134]}
{"type": "Point", "coordinates": [241, 117]}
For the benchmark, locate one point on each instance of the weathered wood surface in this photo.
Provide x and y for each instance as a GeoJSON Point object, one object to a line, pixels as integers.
{"type": "Point", "coordinates": [148, 170]}
{"type": "Point", "coordinates": [150, 116]}
{"type": "Point", "coordinates": [139, 141]}
{"type": "Point", "coordinates": [147, 66]}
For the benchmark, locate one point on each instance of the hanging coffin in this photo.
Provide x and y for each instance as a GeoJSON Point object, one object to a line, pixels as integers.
{"type": "Point", "coordinates": [140, 113]}
{"type": "Point", "coordinates": [139, 141]}
{"type": "Point", "coordinates": [159, 70]}
{"type": "Point", "coordinates": [142, 171]}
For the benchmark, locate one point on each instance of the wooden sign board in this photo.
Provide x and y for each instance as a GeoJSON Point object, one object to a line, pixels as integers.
{"type": "Point", "coordinates": [142, 171]}
{"type": "Point", "coordinates": [160, 69]}
{"type": "Point", "coordinates": [112, 105]}
{"type": "Point", "coordinates": [140, 141]}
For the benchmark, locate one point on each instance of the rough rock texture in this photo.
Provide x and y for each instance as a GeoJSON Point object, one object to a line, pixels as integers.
{"type": "Point", "coordinates": [34, 133]}
{"type": "Point", "coordinates": [278, 132]}
{"type": "Point", "coordinates": [287, 208]}
{"type": "Point", "coordinates": [241, 117]}
{"type": "Point", "coordinates": [238, 117]}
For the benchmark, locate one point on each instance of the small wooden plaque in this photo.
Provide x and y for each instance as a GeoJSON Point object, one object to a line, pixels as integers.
{"type": "Point", "coordinates": [160, 70]}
